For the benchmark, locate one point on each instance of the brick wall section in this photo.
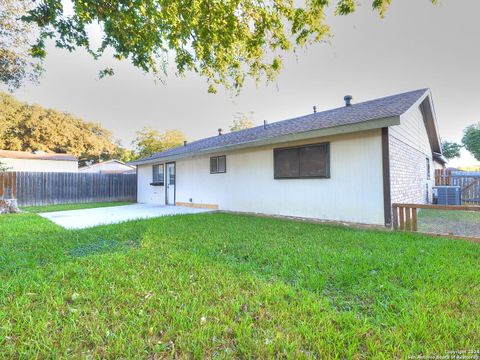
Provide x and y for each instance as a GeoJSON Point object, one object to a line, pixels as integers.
{"type": "Point", "coordinates": [408, 174]}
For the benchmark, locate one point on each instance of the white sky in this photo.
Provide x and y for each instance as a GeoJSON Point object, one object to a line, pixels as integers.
{"type": "Point", "coordinates": [417, 45]}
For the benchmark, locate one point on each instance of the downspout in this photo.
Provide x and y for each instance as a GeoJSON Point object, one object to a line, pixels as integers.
{"type": "Point", "coordinates": [136, 184]}
{"type": "Point", "coordinates": [387, 197]}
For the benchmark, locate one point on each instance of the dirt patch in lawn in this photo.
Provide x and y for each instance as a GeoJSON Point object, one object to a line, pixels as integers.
{"type": "Point", "coordinates": [461, 223]}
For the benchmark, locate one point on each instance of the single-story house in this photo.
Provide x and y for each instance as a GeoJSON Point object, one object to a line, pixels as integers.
{"type": "Point", "coordinates": [347, 164]}
{"type": "Point", "coordinates": [109, 167]}
{"type": "Point", "coordinates": [38, 161]}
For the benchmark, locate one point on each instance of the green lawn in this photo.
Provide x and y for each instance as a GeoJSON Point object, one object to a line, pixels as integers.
{"type": "Point", "coordinates": [231, 286]}
{"type": "Point", "coordinates": [64, 207]}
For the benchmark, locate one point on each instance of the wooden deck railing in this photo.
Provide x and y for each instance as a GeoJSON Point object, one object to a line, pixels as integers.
{"type": "Point", "coordinates": [405, 215]}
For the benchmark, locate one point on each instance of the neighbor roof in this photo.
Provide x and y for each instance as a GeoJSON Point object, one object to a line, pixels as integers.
{"type": "Point", "coordinates": [386, 107]}
{"type": "Point", "coordinates": [105, 162]}
{"type": "Point", "coordinates": [8, 154]}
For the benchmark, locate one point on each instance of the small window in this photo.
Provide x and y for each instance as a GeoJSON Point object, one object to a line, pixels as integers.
{"type": "Point", "coordinates": [218, 164]}
{"type": "Point", "coordinates": [428, 168]}
{"type": "Point", "coordinates": [157, 175]}
{"type": "Point", "coordinates": [310, 161]}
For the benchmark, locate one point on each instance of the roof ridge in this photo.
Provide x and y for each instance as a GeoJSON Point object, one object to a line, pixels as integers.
{"type": "Point", "coordinates": [317, 113]}
{"type": "Point", "coordinates": [384, 107]}
{"type": "Point", "coordinates": [351, 106]}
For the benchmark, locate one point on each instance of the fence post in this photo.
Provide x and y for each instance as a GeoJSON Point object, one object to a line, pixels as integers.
{"type": "Point", "coordinates": [395, 217]}
{"type": "Point", "coordinates": [407, 219]}
{"type": "Point", "coordinates": [402, 219]}
{"type": "Point", "coordinates": [414, 219]}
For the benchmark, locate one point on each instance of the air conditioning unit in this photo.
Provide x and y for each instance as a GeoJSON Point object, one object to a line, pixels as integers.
{"type": "Point", "coordinates": [447, 195]}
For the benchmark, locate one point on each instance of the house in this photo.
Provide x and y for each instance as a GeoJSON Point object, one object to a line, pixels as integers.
{"type": "Point", "coordinates": [109, 167]}
{"type": "Point", "coordinates": [38, 161]}
{"type": "Point", "coordinates": [347, 164]}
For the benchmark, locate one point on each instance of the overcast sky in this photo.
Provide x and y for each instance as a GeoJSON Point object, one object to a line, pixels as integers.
{"type": "Point", "coordinates": [417, 45]}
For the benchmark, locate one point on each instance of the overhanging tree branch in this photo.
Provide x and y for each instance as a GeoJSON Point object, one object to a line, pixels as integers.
{"type": "Point", "coordinates": [224, 41]}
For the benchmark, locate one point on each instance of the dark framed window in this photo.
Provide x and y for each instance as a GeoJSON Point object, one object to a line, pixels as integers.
{"type": "Point", "coordinates": [158, 175]}
{"type": "Point", "coordinates": [218, 164]}
{"type": "Point", "coordinates": [427, 167]}
{"type": "Point", "coordinates": [307, 161]}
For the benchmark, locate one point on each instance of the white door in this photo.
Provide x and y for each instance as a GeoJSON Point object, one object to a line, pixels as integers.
{"type": "Point", "coordinates": [170, 191]}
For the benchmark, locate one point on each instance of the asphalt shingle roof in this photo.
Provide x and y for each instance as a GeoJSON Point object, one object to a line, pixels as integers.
{"type": "Point", "coordinates": [390, 106]}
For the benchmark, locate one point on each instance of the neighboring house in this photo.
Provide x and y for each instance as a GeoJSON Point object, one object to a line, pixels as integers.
{"type": "Point", "coordinates": [347, 164]}
{"type": "Point", "coordinates": [109, 167]}
{"type": "Point", "coordinates": [38, 161]}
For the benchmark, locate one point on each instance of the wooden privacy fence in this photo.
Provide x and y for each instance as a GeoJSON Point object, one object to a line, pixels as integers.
{"type": "Point", "coordinates": [8, 185]}
{"type": "Point", "coordinates": [44, 188]}
{"type": "Point", "coordinates": [405, 215]}
{"type": "Point", "coordinates": [468, 181]}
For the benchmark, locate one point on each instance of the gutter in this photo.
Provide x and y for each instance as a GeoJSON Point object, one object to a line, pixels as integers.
{"type": "Point", "coordinates": [440, 158]}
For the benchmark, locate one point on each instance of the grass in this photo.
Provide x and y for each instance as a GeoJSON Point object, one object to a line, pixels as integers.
{"type": "Point", "coordinates": [465, 223]}
{"type": "Point", "coordinates": [231, 286]}
{"type": "Point", "coordinates": [65, 207]}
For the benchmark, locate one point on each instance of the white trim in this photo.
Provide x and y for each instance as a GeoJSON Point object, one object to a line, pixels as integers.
{"type": "Point", "coordinates": [428, 94]}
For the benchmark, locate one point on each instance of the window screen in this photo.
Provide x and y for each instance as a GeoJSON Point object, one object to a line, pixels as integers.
{"type": "Point", "coordinates": [218, 164]}
{"type": "Point", "coordinates": [310, 161]}
{"type": "Point", "coordinates": [286, 163]}
{"type": "Point", "coordinates": [157, 174]}
{"type": "Point", "coordinates": [222, 164]}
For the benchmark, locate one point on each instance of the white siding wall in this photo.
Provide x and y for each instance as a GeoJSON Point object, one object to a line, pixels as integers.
{"type": "Point", "coordinates": [354, 193]}
{"type": "Point", "coordinates": [147, 193]}
{"type": "Point", "coordinates": [107, 166]}
{"type": "Point", "coordinates": [409, 149]}
{"type": "Point", "coordinates": [40, 165]}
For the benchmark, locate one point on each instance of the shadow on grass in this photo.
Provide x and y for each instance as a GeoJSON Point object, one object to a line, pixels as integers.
{"type": "Point", "coordinates": [354, 269]}
{"type": "Point", "coordinates": [101, 246]}
{"type": "Point", "coordinates": [29, 241]}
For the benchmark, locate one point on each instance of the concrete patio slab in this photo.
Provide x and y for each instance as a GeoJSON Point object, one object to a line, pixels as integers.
{"type": "Point", "coordinates": [85, 218]}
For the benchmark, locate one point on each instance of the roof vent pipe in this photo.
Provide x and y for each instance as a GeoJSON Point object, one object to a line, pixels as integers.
{"type": "Point", "coordinates": [219, 131]}
{"type": "Point", "coordinates": [314, 109]}
{"type": "Point", "coordinates": [348, 100]}
{"type": "Point", "coordinates": [184, 142]}
{"type": "Point", "coordinates": [265, 124]}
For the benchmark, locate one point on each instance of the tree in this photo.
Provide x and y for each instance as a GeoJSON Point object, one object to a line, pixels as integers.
{"type": "Point", "coordinates": [27, 127]}
{"type": "Point", "coordinates": [224, 41]}
{"type": "Point", "coordinates": [16, 37]}
{"type": "Point", "coordinates": [450, 149]}
{"type": "Point", "coordinates": [471, 140]}
{"type": "Point", "coordinates": [123, 154]}
{"type": "Point", "coordinates": [3, 167]}
{"type": "Point", "coordinates": [242, 121]}
{"type": "Point", "coordinates": [149, 141]}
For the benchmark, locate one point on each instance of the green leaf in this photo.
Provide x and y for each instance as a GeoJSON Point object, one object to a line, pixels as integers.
{"type": "Point", "coordinates": [227, 41]}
